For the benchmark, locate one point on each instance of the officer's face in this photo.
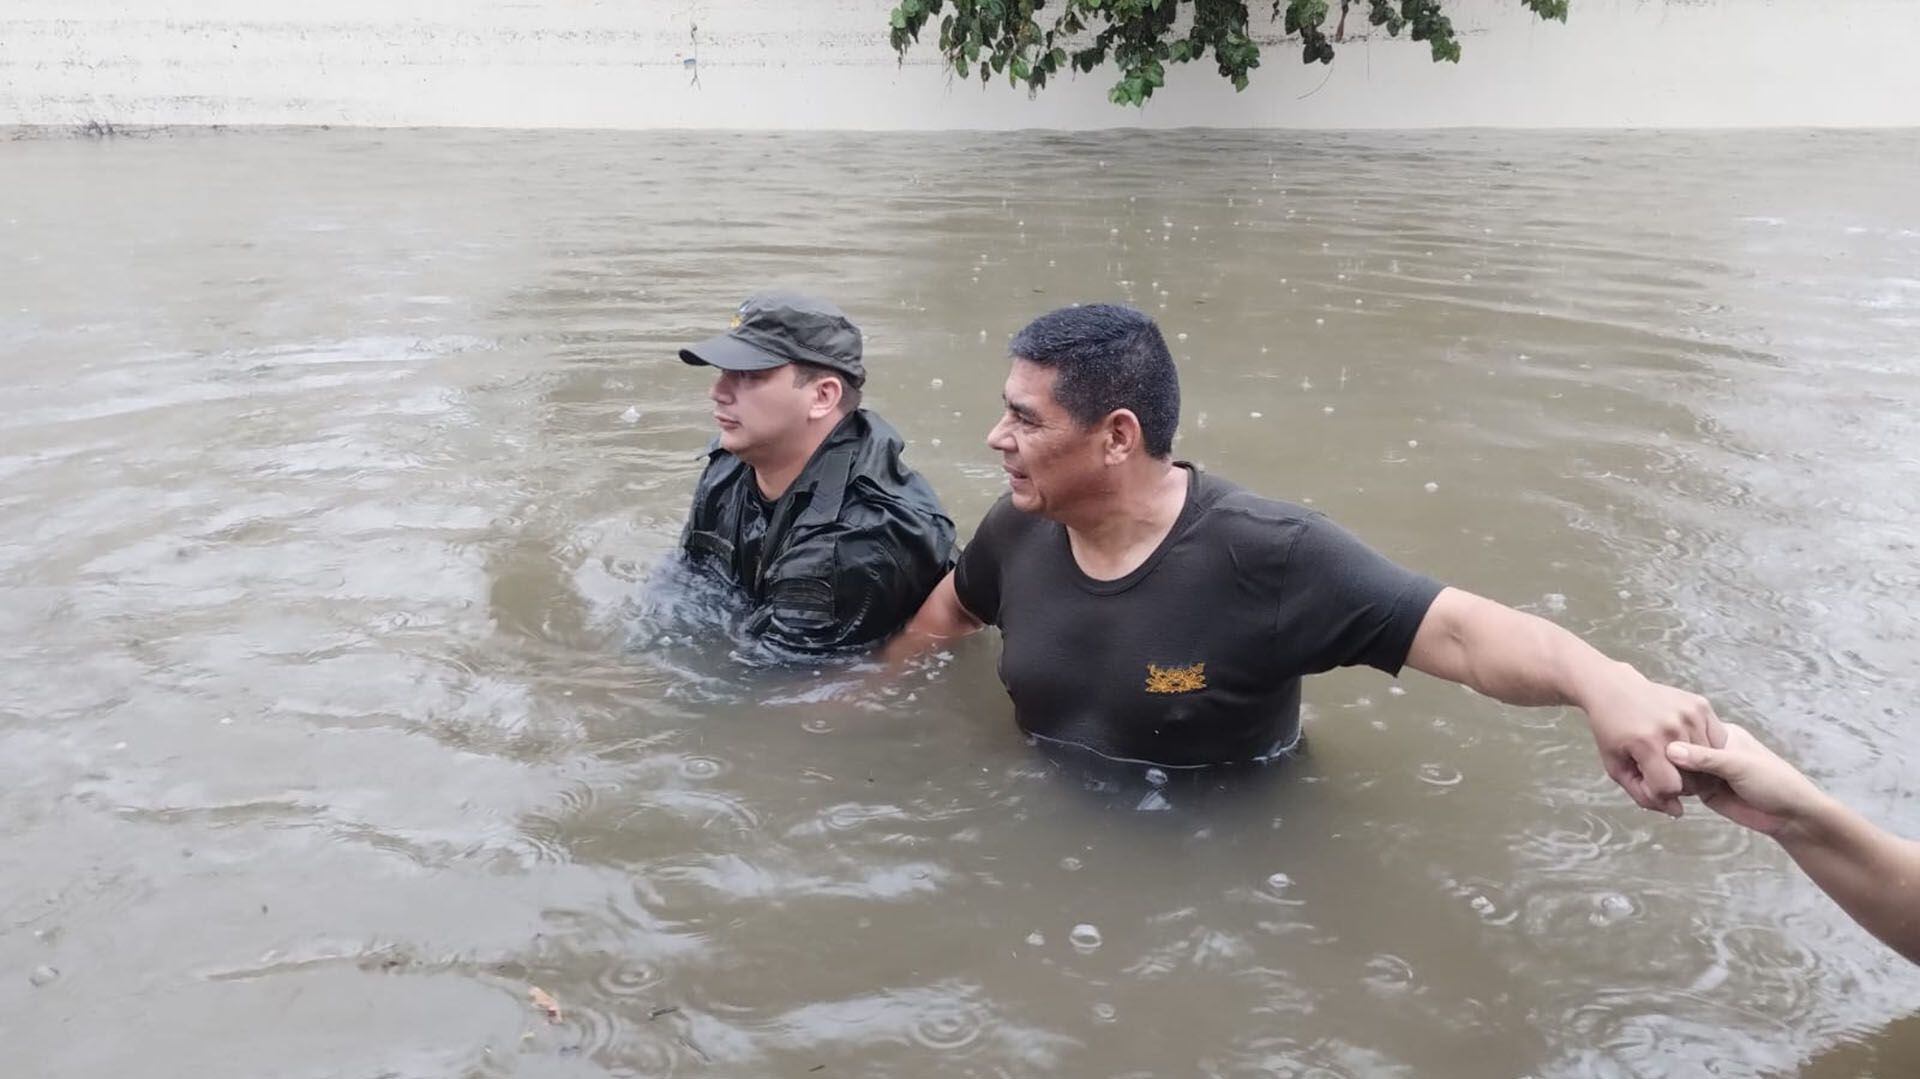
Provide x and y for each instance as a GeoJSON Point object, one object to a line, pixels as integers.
{"type": "Point", "coordinates": [761, 414]}
{"type": "Point", "coordinates": [1051, 461]}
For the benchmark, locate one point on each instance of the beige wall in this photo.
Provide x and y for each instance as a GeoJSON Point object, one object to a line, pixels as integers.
{"type": "Point", "coordinates": [826, 64]}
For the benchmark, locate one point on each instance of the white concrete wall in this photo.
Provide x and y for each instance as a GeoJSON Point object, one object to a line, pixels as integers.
{"type": "Point", "coordinates": [826, 64]}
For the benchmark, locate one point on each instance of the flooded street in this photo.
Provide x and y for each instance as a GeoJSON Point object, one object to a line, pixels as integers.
{"type": "Point", "coordinates": [342, 699]}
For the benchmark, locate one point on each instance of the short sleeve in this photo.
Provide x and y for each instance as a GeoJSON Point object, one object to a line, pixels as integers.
{"type": "Point", "coordinates": [976, 577]}
{"type": "Point", "coordinates": [1343, 604]}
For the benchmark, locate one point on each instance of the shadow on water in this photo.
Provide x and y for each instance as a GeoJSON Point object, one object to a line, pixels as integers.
{"type": "Point", "coordinates": [1891, 1050]}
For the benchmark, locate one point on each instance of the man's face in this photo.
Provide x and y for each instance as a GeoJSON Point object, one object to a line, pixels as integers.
{"type": "Point", "coordinates": [759, 413]}
{"type": "Point", "coordinates": [1050, 461]}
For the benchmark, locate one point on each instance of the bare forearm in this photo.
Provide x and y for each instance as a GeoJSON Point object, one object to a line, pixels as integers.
{"type": "Point", "coordinates": [1872, 874]}
{"type": "Point", "coordinates": [917, 639]}
{"type": "Point", "coordinates": [1521, 659]}
{"type": "Point", "coordinates": [942, 618]}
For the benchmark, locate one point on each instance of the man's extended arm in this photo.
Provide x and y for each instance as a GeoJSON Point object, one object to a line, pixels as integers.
{"type": "Point", "coordinates": [1874, 875]}
{"type": "Point", "coordinates": [1521, 659]}
{"type": "Point", "coordinates": [940, 619]}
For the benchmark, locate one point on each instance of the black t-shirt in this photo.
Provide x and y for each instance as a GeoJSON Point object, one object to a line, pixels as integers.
{"type": "Point", "coordinates": [1196, 656]}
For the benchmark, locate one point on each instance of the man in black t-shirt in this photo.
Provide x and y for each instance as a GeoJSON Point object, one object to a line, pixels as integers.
{"type": "Point", "coordinates": [1153, 612]}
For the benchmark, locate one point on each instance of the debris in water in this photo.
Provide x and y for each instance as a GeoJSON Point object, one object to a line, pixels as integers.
{"type": "Point", "coordinates": [544, 1001]}
{"type": "Point", "coordinates": [42, 975]}
{"type": "Point", "coordinates": [1432, 487]}
{"type": "Point", "coordinates": [631, 415]}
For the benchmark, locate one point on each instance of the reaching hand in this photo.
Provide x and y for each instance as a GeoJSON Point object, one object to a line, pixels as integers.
{"type": "Point", "coordinates": [1632, 727]}
{"type": "Point", "coordinates": [1750, 785]}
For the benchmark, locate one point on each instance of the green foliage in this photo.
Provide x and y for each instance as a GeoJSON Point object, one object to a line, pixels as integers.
{"type": "Point", "coordinates": [1139, 37]}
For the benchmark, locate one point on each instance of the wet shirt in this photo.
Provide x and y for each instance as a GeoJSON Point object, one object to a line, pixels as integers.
{"type": "Point", "coordinates": [842, 558]}
{"type": "Point", "coordinates": [1196, 656]}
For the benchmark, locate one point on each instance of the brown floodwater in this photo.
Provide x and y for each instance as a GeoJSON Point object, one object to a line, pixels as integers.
{"type": "Point", "coordinates": [346, 694]}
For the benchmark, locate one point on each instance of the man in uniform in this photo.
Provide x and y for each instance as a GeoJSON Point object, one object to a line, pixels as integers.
{"type": "Point", "coordinates": [1150, 611]}
{"type": "Point", "coordinates": [805, 504]}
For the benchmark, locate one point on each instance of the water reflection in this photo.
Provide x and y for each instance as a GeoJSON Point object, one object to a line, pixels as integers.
{"type": "Point", "coordinates": [347, 689]}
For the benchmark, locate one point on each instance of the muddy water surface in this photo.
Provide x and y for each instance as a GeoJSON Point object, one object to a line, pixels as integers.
{"type": "Point", "coordinates": [341, 700]}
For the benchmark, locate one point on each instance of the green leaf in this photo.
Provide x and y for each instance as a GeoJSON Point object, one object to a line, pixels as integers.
{"type": "Point", "coordinates": [900, 18]}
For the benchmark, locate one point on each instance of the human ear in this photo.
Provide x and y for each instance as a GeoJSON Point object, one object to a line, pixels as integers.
{"type": "Point", "coordinates": [826, 398]}
{"type": "Point", "coordinates": [1120, 435]}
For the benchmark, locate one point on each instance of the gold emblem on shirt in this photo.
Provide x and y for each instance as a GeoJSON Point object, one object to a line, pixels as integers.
{"type": "Point", "coordinates": [1176, 679]}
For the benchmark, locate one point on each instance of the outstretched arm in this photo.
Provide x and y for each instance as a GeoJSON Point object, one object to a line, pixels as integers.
{"type": "Point", "coordinates": [941, 618]}
{"type": "Point", "coordinates": [1521, 659]}
{"type": "Point", "coordinates": [1874, 875]}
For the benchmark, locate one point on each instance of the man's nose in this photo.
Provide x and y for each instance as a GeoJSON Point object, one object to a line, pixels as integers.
{"type": "Point", "coordinates": [996, 437]}
{"type": "Point", "coordinates": [722, 389]}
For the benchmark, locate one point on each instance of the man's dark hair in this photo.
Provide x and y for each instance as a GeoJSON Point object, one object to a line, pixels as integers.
{"type": "Point", "coordinates": [806, 374]}
{"type": "Point", "coordinates": [1107, 357]}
